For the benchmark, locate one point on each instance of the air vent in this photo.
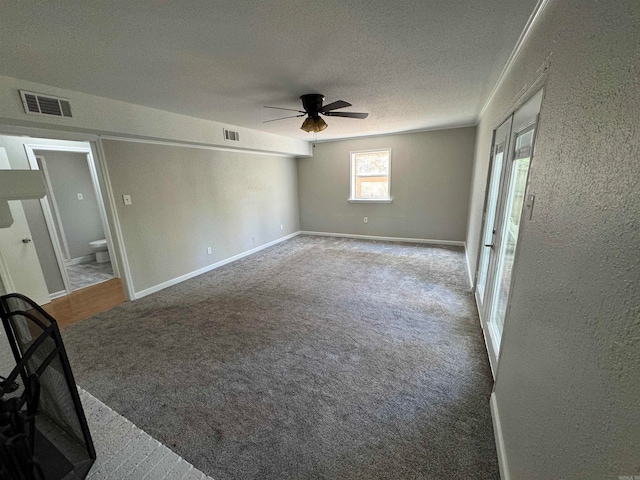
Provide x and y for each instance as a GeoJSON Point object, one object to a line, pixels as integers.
{"type": "Point", "coordinates": [38, 104]}
{"type": "Point", "coordinates": [231, 135]}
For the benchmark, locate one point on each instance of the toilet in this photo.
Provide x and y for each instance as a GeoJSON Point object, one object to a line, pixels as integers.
{"type": "Point", "coordinates": [99, 247]}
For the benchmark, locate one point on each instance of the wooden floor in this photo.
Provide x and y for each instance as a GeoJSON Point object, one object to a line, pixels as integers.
{"type": "Point", "coordinates": [85, 302]}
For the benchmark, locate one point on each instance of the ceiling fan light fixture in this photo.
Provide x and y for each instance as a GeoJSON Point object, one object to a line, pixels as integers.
{"type": "Point", "coordinates": [308, 125]}
{"type": "Point", "coordinates": [313, 125]}
{"type": "Point", "coordinates": [313, 107]}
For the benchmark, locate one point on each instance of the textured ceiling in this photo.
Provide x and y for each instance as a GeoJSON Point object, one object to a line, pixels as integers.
{"type": "Point", "coordinates": [413, 64]}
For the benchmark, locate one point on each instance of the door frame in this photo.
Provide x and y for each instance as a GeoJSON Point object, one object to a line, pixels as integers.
{"type": "Point", "coordinates": [494, 351]}
{"type": "Point", "coordinates": [55, 212]}
{"type": "Point", "coordinates": [106, 198]}
{"type": "Point", "coordinates": [484, 306]}
{"type": "Point", "coordinates": [51, 223]}
{"type": "Point", "coordinates": [480, 300]}
{"type": "Point", "coordinates": [56, 231]}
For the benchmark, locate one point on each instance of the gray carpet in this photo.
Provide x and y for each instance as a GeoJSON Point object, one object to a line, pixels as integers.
{"type": "Point", "coordinates": [318, 358]}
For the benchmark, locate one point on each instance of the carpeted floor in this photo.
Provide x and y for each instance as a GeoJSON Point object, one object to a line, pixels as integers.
{"type": "Point", "coordinates": [318, 358]}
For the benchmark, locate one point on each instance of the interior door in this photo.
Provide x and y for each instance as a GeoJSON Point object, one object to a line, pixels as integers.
{"type": "Point", "coordinates": [514, 141]}
{"type": "Point", "coordinates": [19, 265]}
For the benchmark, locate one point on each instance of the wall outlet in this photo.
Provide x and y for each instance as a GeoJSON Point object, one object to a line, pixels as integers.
{"type": "Point", "coordinates": [281, 227]}
{"type": "Point", "coordinates": [208, 250]}
{"type": "Point", "coordinates": [126, 199]}
{"type": "Point", "coordinates": [366, 219]}
{"type": "Point", "coordinates": [80, 197]}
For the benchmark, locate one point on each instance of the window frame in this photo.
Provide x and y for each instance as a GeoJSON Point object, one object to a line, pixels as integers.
{"type": "Point", "coordinates": [352, 178]}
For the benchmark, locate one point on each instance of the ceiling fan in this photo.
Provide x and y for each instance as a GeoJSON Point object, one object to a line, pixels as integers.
{"type": "Point", "coordinates": [312, 104]}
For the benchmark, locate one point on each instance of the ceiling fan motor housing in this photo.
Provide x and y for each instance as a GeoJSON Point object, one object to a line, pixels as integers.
{"type": "Point", "coordinates": [312, 103]}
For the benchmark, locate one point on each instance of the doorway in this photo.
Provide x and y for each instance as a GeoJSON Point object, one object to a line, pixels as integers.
{"type": "Point", "coordinates": [67, 228]}
{"type": "Point", "coordinates": [72, 212]}
{"type": "Point", "coordinates": [504, 204]}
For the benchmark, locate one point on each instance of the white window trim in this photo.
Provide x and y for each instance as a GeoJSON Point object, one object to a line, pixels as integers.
{"type": "Point", "coordinates": [352, 178]}
{"type": "Point", "coordinates": [369, 200]}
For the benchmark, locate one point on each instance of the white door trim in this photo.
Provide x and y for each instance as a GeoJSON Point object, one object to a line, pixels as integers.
{"type": "Point", "coordinates": [5, 276]}
{"type": "Point", "coordinates": [126, 276]}
{"type": "Point", "coordinates": [56, 212]}
{"type": "Point", "coordinates": [53, 224]}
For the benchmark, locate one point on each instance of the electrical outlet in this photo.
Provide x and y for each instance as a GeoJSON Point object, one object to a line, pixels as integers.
{"type": "Point", "coordinates": [80, 197]}
{"type": "Point", "coordinates": [366, 219]}
{"type": "Point", "coordinates": [281, 227]}
{"type": "Point", "coordinates": [208, 250]}
{"type": "Point", "coordinates": [126, 199]}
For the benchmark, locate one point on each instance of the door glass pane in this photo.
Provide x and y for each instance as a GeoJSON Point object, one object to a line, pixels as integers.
{"type": "Point", "coordinates": [487, 236]}
{"type": "Point", "coordinates": [509, 229]}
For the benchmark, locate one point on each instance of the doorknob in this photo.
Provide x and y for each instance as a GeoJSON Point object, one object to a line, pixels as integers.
{"type": "Point", "coordinates": [490, 245]}
{"type": "Point", "coordinates": [26, 240]}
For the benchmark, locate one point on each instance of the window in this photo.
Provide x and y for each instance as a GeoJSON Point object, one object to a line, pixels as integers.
{"type": "Point", "coordinates": [371, 176]}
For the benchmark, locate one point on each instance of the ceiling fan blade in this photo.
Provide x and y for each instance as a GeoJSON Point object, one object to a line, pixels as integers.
{"type": "Point", "coordinates": [334, 106]}
{"type": "Point", "coordinates": [290, 109]}
{"type": "Point", "coordinates": [292, 116]}
{"type": "Point", "coordinates": [347, 114]}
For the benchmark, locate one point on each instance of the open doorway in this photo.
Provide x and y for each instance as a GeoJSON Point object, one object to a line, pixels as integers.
{"type": "Point", "coordinates": [74, 216]}
{"type": "Point", "coordinates": [68, 228]}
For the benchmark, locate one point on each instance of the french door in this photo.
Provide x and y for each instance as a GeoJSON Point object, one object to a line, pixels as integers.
{"type": "Point", "coordinates": [505, 199]}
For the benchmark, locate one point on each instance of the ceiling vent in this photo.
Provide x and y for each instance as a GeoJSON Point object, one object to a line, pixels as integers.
{"type": "Point", "coordinates": [231, 135]}
{"type": "Point", "coordinates": [38, 104]}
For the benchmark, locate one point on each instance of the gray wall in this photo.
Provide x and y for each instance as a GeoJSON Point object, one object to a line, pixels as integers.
{"type": "Point", "coordinates": [430, 178]}
{"type": "Point", "coordinates": [69, 174]}
{"type": "Point", "coordinates": [104, 116]}
{"type": "Point", "coordinates": [187, 199]}
{"type": "Point", "coordinates": [568, 380]}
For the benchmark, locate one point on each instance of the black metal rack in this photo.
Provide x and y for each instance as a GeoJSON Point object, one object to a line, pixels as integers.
{"type": "Point", "coordinates": [58, 434]}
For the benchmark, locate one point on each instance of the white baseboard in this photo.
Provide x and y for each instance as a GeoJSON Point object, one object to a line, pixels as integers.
{"type": "Point", "coordinates": [466, 257]}
{"type": "Point", "coordinates": [386, 239]}
{"type": "Point", "coordinates": [485, 336]}
{"type": "Point", "coordinates": [497, 431]}
{"type": "Point", "coordinates": [208, 268]}
{"type": "Point", "coordinates": [84, 259]}
{"type": "Point", "coordinates": [61, 293]}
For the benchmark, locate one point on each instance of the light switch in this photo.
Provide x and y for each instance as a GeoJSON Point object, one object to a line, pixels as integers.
{"type": "Point", "coordinates": [126, 199]}
{"type": "Point", "coordinates": [80, 196]}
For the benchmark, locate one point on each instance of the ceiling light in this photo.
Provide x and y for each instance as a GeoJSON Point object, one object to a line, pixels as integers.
{"type": "Point", "coordinates": [314, 124]}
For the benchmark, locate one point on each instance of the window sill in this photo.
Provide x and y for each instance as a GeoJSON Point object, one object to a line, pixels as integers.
{"type": "Point", "coordinates": [362, 200]}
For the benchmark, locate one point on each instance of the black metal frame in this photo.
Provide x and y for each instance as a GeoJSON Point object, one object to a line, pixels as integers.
{"type": "Point", "coordinates": [51, 331]}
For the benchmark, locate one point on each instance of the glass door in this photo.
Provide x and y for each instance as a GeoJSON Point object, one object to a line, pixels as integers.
{"type": "Point", "coordinates": [509, 229]}
{"type": "Point", "coordinates": [501, 143]}
{"type": "Point", "coordinates": [506, 189]}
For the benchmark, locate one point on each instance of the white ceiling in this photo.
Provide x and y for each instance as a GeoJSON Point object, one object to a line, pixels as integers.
{"type": "Point", "coordinates": [412, 64]}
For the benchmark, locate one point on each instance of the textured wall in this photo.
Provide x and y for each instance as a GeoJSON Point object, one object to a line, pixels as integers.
{"type": "Point", "coordinates": [430, 178]}
{"type": "Point", "coordinates": [69, 174]}
{"type": "Point", "coordinates": [187, 199]}
{"type": "Point", "coordinates": [568, 381]}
